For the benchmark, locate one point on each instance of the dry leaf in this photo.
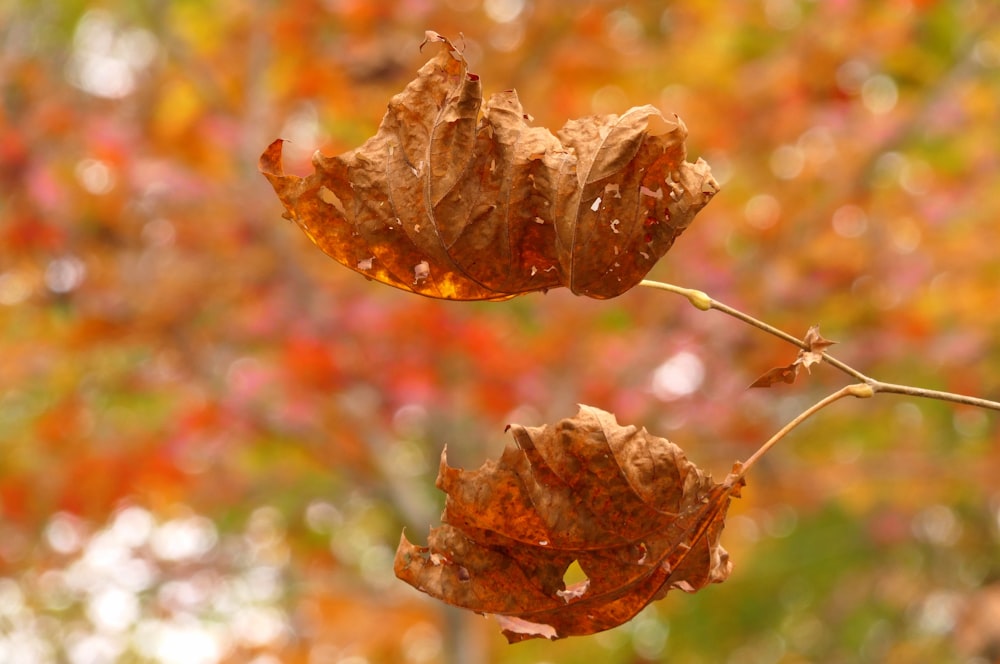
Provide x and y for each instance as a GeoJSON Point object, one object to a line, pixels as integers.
{"type": "Point", "coordinates": [457, 199]}
{"type": "Point", "coordinates": [816, 344]}
{"type": "Point", "coordinates": [808, 356]}
{"type": "Point", "coordinates": [627, 506]}
{"type": "Point", "coordinates": [778, 375]}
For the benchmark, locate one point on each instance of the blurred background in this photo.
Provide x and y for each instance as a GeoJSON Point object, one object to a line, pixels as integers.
{"type": "Point", "coordinates": [212, 435]}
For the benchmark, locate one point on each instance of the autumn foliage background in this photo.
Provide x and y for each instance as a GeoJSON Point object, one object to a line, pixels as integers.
{"type": "Point", "coordinates": [211, 434]}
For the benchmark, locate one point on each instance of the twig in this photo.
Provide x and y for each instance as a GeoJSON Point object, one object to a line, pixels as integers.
{"type": "Point", "coordinates": [892, 388]}
{"type": "Point", "coordinates": [702, 301]}
{"type": "Point", "coordinates": [859, 390]}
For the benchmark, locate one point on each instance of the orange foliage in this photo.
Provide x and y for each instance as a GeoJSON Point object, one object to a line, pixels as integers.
{"type": "Point", "coordinates": [169, 344]}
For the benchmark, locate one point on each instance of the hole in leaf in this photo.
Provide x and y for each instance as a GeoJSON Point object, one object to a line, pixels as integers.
{"type": "Point", "coordinates": [327, 196]}
{"type": "Point", "coordinates": [575, 582]}
{"type": "Point", "coordinates": [421, 271]}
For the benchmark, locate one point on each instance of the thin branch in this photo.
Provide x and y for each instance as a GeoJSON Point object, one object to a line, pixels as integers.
{"type": "Point", "coordinates": [851, 371]}
{"type": "Point", "coordinates": [892, 388]}
{"type": "Point", "coordinates": [859, 390]}
{"type": "Point", "coordinates": [702, 301]}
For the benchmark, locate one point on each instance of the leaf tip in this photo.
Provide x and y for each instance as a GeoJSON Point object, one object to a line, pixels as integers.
{"type": "Point", "coordinates": [269, 162]}
{"type": "Point", "coordinates": [657, 125]}
{"type": "Point", "coordinates": [432, 37]}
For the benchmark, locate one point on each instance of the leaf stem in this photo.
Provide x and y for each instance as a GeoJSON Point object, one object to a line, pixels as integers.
{"type": "Point", "coordinates": [702, 301]}
{"type": "Point", "coordinates": [859, 390]}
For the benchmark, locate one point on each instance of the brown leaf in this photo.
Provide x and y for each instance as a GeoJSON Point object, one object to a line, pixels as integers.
{"type": "Point", "coordinates": [778, 375]}
{"type": "Point", "coordinates": [816, 344]}
{"type": "Point", "coordinates": [627, 506]}
{"type": "Point", "coordinates": [812, 354]}
{"type": "Point", "coordinates": [457, 199]}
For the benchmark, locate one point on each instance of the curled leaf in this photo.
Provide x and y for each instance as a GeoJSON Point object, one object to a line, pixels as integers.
{"type": "Point", "coordinates": [778, 375]}
{"type": "Point", "coordinates": [459, 199]}
{"type": "Point", "coordinates": [627, 507]}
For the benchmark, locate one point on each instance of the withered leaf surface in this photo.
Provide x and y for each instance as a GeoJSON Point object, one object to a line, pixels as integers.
{"type": "Point", "coordinates": [459, 199]}
{"type": "Point", "coordinates": [627, 506]}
